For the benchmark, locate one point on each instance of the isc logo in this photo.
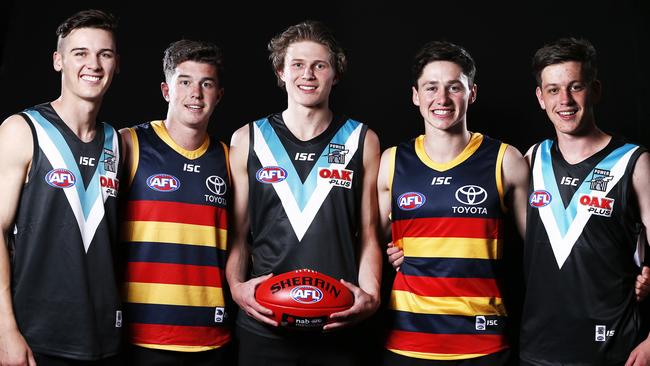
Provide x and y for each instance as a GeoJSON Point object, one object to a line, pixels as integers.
{"type": "Point", "coordinates": [306, 294]}
{"type": "Point", "coordinates": [540, 198]}
{"type": "Point", "coordinates": [411, 201]}
{"type": "Point", "coordinates": [271, 174]}
{"type": "Point", "coordinates": [163, 182]}
{"type": "Point", "coordinates": [60, 178]}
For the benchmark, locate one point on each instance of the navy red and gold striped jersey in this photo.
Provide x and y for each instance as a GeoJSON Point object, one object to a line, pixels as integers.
{"type": "Point", "coordinates": [175, 231]}
{"type": "Point", "coordinates": [582, 234]}
{"type": "Point", "coordinates": [448, 218]}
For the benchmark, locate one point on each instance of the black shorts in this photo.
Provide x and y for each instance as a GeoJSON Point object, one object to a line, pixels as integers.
{"type": "Point", "coordinates": [141, 356]}
{"type": "Point", "coordinates": [494, 359]}
{"type": "Point", "coordinates": [47, 360]}
{"type": "Point", "coordinates": [341, 348]}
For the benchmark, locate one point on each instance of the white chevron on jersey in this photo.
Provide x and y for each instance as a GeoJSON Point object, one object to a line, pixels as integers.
{"type": "Point", "coordinates": [87, 203]}
{"type": "Point", "coordinates": [301, 219]}
{"type": "Point", "coordinates": [562, 244]}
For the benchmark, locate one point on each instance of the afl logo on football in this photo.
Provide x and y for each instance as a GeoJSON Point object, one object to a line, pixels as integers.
{"type": "Point", "coordinates": [411, 201]}
{"type": "Point", "coordinates": [306, 294]}
{"type": "Point", "coordinates": [163, 183]}
{"type": "Point", "coordinates": [60, 178]}
{"type": "Point", "coordinates": [271, 174]}
{"type": "Point", "coordinates": [540, 198]}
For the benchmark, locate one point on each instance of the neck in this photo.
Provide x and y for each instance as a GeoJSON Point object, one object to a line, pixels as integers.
{"type": "Point", "coordinates": [443, 146]}
{"type": "Point", "coordinates": [576, 148]}
{"type": "Point", "coordinates": [306, 123]}
{"type": "Point", "coordinates": [79, 115]}
{"type": "Point", "coordinates": [185, 136]}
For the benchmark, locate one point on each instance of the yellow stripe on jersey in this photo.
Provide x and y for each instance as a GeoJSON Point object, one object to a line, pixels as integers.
{"type": "Point", "coordinates": [169, 232]}
{"type": "Point", "coordinates": [499, 175]}
{"type": "Point", "coordinates": [161, 131]}
{"type": "Point", "coordinates": [166, 294]}
{"type": "Point", "coordinates": [166, 347]}
{"type": "Point", "coordinates": [467, 306]}
{"type": "Point", "coordinates": [436, 356]}
{"type": "Point", "coordinates": [451, 247]}
{"type": "Point", "coordinates": [473, 145]}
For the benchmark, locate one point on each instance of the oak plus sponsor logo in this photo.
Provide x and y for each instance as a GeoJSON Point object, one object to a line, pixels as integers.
{"type": "Point", "coordinates": [601, 206]}
{"type": "Point", "coordinates": [163, 182]}
{"type": "Point", "coordinates": [336, 177]}
{"type": "Point", "coordinates": [539, 198]}
{"type": "Point", "coordinates": [110, 186]}
{"type": "Point", "coordinates": [217, 186]}
{"type": "Point", "coordinates": [411, 201]}
{"type": "Point", "coordinates": [271, 174]}
{"type": "Point", "coordinates": [60, 178]}
{"type": "Point", "coordinates": [471, 196]}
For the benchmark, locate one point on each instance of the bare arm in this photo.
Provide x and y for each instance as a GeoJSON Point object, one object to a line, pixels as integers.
{"type": "Point", "coordinates": [516, 175]}
{"type": "Point", "coordinates": [16, 149]}
{"type": "Point", "coordinates": [640, 356]}
{"type": "Point", "coordinates": [395, 254]}
{"type": "Point", "coordinates": [243, 292]}
{"type": "Point", "coordinates": [366, 296]}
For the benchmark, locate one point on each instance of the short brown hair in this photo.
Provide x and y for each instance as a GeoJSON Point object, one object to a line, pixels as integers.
{"type": "Point", "coordinates": [198, 51]}
{"type": "Point", "coordinates": [309, 30]}
{"type": "Point", "coordinates": [91, 18]}
{"type": "Point", "coordinates": [565, 50]}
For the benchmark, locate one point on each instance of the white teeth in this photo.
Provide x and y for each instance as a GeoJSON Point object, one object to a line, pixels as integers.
{"type": "Point", "coordinates": [194, 107]}
{"type": "Point", "coordinates": [441, 112]}
{"type": "Point", "coordinates": [567, 113]}
{"type": "Point", "coordinates": [90, 78]}
{"type": "Point", "coordinates": [304, 87]}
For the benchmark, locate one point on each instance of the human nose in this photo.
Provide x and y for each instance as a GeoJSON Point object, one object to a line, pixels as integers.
{"type": "Point", "coordinates": [308, 73]}
{"type": "Point", "coordinates": [565, 96]}
{"type": "Point", "coordinates": [196, 91]}
{"type": "Point", "coordinates": [442, 97]}
{"type": "Point", "coordinates": [93, 62]}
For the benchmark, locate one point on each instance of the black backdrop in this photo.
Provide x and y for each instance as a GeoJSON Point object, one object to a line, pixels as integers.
{"type": "Point", "coordinates": [380, 40]}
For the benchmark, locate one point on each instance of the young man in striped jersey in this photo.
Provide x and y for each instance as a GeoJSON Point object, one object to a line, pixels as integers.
{"type": "Point", "coordinates": [176, 219]}
{"type": "Point", "coordinates": [444, 196]}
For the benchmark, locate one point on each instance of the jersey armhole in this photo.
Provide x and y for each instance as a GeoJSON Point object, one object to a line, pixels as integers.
{"type": "Point", "coordinates": [135, 156]}
{"type": "Point", "coordinates": [499, 176]}
{"type": "Point", "coordinates": [35, 162]}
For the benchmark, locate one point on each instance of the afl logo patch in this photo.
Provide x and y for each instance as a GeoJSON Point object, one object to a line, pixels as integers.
{"type": "Point", "coordinates": [163, 183]}
{"type": "Point", "coordinates": [271, 174]}
{"type": "Point", "coordinates": [540, 198]}
{"type": "Point", "coordinates": [411, 201]}
{"type": "Point", "coordinates": [60, 178]}
{"type": "Point", "coordinates": [306, 294]}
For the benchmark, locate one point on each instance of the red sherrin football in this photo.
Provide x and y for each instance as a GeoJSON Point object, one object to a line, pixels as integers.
{"type": "Point", "coordinates": [303, 299]}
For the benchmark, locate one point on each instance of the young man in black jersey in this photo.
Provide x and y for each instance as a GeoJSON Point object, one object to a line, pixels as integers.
{"type": "Point", "coordinates": [299, 219]}
{"type": "Point", "coordinates": [59, 302]}
{"type": "Point", "coordinates": [588, 201]}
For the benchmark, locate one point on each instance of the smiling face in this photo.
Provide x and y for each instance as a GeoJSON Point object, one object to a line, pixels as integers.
{"type": "Point", "coordinates": [308, 74]}
{"type": "Point", "coordinates": [193, 91]}
{"type": "Point", "coordinates": [87, 60]}
{"type": "Point", "coordinates": [443, 94]}
{"type": "Point", "coordinates": [567, 97]}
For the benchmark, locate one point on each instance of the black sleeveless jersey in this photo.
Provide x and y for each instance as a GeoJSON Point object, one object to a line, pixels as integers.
{"type": "Point", "coordinates": [304, 201]}
{"type": "Point", "coordinates": [63, 284]}
{"type": "Point", "coordinates": [581, 239]}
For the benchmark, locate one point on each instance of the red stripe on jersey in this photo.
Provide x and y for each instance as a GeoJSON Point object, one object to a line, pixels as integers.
{"type": "Point", "coordinates": [448, 227]}
{"type": "Point", "coordinates": [461, 344]}
{"type": "Point", "coordinates": [182, 213]}
{"type": "Point", "coordinates": [176, 274]}
{"type": "Point", "coordinates": [451, 287]}
{"type": "Point", "coordinates": [179, 335]}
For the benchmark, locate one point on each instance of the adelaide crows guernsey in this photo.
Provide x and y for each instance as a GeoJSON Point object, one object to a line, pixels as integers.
{"type": "Point", "coordinates": [448, 219]}
{"type": "Point", "coordinates": [304, 201]}
{"type": "Point", "coordinates": [65, 296]}
{"type": "Point", "coordinates": [175, 231]}
{"type": "Point", "coordinates": [581, 238]}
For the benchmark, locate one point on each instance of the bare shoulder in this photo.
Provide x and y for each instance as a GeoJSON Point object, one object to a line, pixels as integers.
{"type": "Point", "coordinates": [240, 138]}
{"type": "Point", "coordinates": [641, 171]}
{"type": "Point", "coordinates": [16, 139]}
{"type": "Point", "coordinates": [515, 167]}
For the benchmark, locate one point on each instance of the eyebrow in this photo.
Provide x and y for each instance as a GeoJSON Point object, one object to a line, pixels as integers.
{"type": "Point", "coordinates": [87, 49]}
{"type": "Point", "coordinates": [184, 76]}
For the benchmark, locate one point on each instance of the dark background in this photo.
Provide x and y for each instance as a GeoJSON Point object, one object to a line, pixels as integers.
{"type": "Point", "coordinates": [381, 41]}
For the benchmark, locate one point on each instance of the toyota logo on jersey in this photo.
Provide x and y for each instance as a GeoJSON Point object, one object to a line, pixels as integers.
{"type": "Point", "coordinates": [163, 182]}
{"type": "Point", "coordinates": [60, 178]}
{"type": "Point", "coordinates": [271, 174]}
{"type": "Point", "coordinates": [471, 195]}
{"type": "Point", "coordinates": [411, 201]}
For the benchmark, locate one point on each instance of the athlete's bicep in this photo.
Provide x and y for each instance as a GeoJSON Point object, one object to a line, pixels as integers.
{"type": "Point", "coordinates": [640, 179]}
{"type": "Point", "coordinates": [384, 182]}
{"type": "Point", "coordinates": [516, 175]}
{"type": "Point", "coordinates": [16, 150]}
